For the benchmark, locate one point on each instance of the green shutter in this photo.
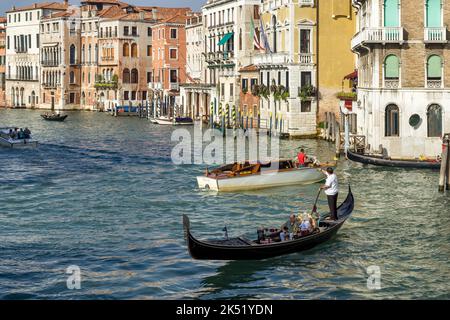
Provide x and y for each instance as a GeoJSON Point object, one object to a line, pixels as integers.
{"type": "Point", "coordinates": [392, 66]}
{"type": "Point", "coordinates": [434, 67]}
{"type": "Point", "coordinates": [391, 13]}
{"type": "Point", "coordinates": [433, 8]}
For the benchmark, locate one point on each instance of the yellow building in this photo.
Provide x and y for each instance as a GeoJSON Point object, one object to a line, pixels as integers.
{"type": "Point", "coordinates": [307, 56]}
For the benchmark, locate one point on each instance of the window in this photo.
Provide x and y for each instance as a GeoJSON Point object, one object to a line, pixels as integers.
{"type": "Point", "coordinates": [149, 51]}
{"type": "Point", "coordinates": [222, 90]}
{"type": "Point", "coordinates": [134, 31]}
{"type": "Point", "coordinates": [391, 71]}
{"type": "Point", "coordinates": [134, 76]}
{"type": "Point", "coordinates": [434, 68]}
{"type": "Point", "coordinates": [253, 83]}
{"type": "Point", "coordinates": [72, 77]}
{"type": "Point", "coordinates": [144, 95]}
{"type": "Point", "coordinates": [126, 50]}
{"type": "Point", "coordinates": [126, 95]}
{"type": "Point", "coordinates": [434, 121]}
{"type": "Point", "coordinates": [72, 97]}
{"type": "Point", "coordinates": [434, 15]}
{"type": "Point", "coordinates": [173, 33]}
{"type": "Point", "coordinates": [231, 90]}
{"type": "Point", "coordinates": [274, 34]}
{"type": "Point", "coordinates": [133, 95]}
{"type": "Point", "coordinates": [134, 50]}
{"type": "Point", "coordinates": [244, 84]}
{"type": "Point", "coordinates": [149, 32]}
{"type": "Point", "coordinates": [306, 106]}
{"type": "Point", "coordinates": [391, 13]}
{"type": "Point", "coordinates": [72, 54]}
{"type": "Point", "coordinates": [126, 76]}
{"type": "Point", "coordinates": [173, 53]}
{"type": "Point", "coordinates": [305, 41]}
{"type": "Point", "coordinates": [37, 41]}
{"type": "Point", "coordinates": [149, 77]}
{"type": "Point", "coordinates": [7, 41]}
{"type": "Point", "coordinates": [305, 78]}
{"type": "Point", "coordinates": [392, 121]}
{"type": "Point", "coordinates": [173, 76]}
{"type": "Point", "coordinates": [126, 31]}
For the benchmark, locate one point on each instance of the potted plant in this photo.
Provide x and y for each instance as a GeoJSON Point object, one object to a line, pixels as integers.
{"type": "Point", "coordinates": [349, 96]}
{"type": "Point", "coordinates": [306, 92]}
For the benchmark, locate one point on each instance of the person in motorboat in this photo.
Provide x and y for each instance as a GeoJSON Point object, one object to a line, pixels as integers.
{"type": "Point", "coordinates": [20, 134]}
{"type": "Point", "coordinates": [289, 228]}
{"type": "Point", "coordinates": [302, 158]}
{"type": "Point", "coordinates": [27, 133]}
{"type": "Point", "coordinates": [11, 133]}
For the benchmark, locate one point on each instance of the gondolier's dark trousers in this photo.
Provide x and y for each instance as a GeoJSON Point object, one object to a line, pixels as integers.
{"type": "Point", "coordinates": [332, 203]}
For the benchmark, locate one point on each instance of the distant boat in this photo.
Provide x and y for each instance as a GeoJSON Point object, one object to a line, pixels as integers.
{"type": "Point", "coordinates": [241, 248]}
{"type": "Point", "coordinates": [171, 121]}
{"type": "Point", "coordinates": [252, 176]}
{"type": "Point", "coordinates": [54, 117]}
{"type": "Point", "coordinates": [389, 162]}
{"type": "Point", "coordinates": [7, 141]}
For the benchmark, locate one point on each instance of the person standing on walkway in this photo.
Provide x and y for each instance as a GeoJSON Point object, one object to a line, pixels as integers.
{"type": "Point", "coordinates": [331, 188]}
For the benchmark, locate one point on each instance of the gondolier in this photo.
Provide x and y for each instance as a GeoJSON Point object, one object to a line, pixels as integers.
{"type": "Point", "coordinates": [331, 188]}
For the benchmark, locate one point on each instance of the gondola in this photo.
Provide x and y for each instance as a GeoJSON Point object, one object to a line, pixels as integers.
{"type": "Point", "coordinates": [54, 117]}
{"type": "Point", "coordinates": [241, 248]}
{"type": "Point", "coordinates": [398, 163]}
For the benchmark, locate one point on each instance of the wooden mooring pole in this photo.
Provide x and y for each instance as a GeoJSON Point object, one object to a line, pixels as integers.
{"type": "Point", "coordinates": [444, 176]}
{"type": "Point", "coordinates": [337, 138]}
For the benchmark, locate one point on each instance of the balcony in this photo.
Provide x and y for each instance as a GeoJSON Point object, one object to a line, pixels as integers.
{"type": "Point", "coordinates": [306, 58]}
{"type": "Point", "coordinates": [155, 85]}
{"type": "Point", "coordinates": [378, 35]}
{"type": "Point", "coordinates": [306, 3]}
{"type": "Point", "coordinates": [174, 86]}
{"type": "Point", "coordinates": [49, 63]}
{"type": "Point", "coordinates": [50, 85]}
{"type": "Point", "coordinates": [272, 58]}
{"type": "Point", "coordinates": [435, 35]}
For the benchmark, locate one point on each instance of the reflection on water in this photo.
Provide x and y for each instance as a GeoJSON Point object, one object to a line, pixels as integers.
{"type": "Point", "coordinates": [102, 193]}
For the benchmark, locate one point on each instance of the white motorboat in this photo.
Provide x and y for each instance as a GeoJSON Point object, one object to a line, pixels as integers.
{"type": "Point", "coordinates": [7, 141]}
{"type": "Point", "coordinates": [164, 121]}
{"type": "Point", "coordinates": [248, 176]}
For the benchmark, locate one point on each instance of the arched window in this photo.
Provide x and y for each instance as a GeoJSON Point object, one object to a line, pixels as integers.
{"type": "Point", "coordinates": [72, 54]}
{"type": "Point", "coordinates": [126, 50]}
{"type": "Point", "coordinates": [434, 15]}
{"type": "Point", "coordinates": [126, 76]}
{"type": "Point", "coordinates": [83, 53]}
{"type": "Point", "coordinates": [391, 13]}
{"type": "Point", "coordinates": [83, 98]}
{"type": "Point", "coordinates": [391, 71]}
{"type": "Point", "coordinates": [72, 77]}
{"type": "Point", "coordinates": [434, 120]}
{"type": "Point", "coordinates": [90, 54]}
{"type": "Point", "coordinates": [392, 124]}
{"type": "Point", "coordinates": [434, 68]}
{"type": "Point", "coordinates": [134, 50]}
{"type": "Point", "coordinates": [134, 76]}
{"type": "Point", "coordinates": [274, 35]}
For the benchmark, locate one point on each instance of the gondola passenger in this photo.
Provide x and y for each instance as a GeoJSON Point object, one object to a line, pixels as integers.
{"type": "Point", "coordinates": [27, 133]}
{"type": "Point", "coordinates": [21, 134]}
{"type": "Point", "coordinates": [289, 228]}
{"type": "Point", "coordinates": [306, 225]}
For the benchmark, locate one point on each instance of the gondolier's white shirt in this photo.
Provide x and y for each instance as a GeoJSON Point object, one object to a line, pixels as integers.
{"type": "Point", "coordinates": [332, 183]}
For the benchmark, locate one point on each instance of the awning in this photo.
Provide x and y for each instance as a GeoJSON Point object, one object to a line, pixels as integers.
{"type": "Point", "coordinates": [352, 75]}
{"type": "Point", "coordinates": [225, 39]}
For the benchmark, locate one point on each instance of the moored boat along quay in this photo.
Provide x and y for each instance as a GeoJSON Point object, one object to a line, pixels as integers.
{"type": "Point", "coordinates": [119, 219]}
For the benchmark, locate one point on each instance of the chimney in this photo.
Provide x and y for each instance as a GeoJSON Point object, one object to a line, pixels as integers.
{"type": "Point", "coordinates": [154, 13]}
{"type": "Point", "coordinates": [66, 2]}
{"type": "Point", "coordinates": [141, 15]}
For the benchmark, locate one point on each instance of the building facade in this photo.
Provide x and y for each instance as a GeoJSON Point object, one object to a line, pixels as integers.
{"type": "Point", "coordinates": [403, 75]}
{"type": "Point", "coordinates": [304, 62]}
{"type": "Point", "coordinates": [22, 52]}
{"type": "Point", "coordinates": [2, 62]}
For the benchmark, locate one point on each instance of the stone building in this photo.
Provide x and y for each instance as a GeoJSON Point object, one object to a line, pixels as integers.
{"type": "Point", "coordinates": [2, 62]}
{"type": "Point", "coordinates": [249, 102]}
{"type": "Point", "coordinates": [307, 55]}
{"type": "Point", "coordinates": [60, 71]}
{"type": "Point", "coordinates": [22, 52]}
{"type": "Point", "coordinates": [403, 75]}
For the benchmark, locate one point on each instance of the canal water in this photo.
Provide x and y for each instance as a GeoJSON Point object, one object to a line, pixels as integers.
{"type": "Point", "coordinates": [101, 193]}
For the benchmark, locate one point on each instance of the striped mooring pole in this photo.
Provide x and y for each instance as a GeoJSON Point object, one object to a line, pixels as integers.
{"type": "Point", "coordinates": [211, 116]}
{"type": "Point", "coordinates": [233, 115]}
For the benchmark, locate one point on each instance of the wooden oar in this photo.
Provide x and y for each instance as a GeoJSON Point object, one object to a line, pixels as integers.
{"type": "Point", "coordinates": [314, 209]}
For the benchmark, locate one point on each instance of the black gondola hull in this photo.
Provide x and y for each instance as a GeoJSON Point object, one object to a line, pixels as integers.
{"type": "Point", "coordinates": [378, 161]}
{"type": "Point", "coordinates": [54, 118]}
{"type": "Point", "coordinates": [214, 250]}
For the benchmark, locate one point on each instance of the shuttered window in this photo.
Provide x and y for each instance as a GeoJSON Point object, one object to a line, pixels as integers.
{"type": "Point", "coordinates": [434, 120]}
{"type": "Point", "coordinates": [434, 67]}
{"type": "Point", "coordinates": [433, 9]}
{"type": "Point", "coordinates": [391, 13]}
{"type": "Point", "coordinates": [392, 67]}
{"type": "Point", "coordinates": [392, 128]}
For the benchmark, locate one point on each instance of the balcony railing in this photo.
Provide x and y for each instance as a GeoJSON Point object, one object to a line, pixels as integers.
{"type": "Point", "coordinates": [50, 63]}
{"type": "Point", "coordinates": [272, 58]}
{"type": "Point", "coordinates": [306, 2]}
{"type": "Point", "coordinates": [306, 58]}
{"type": "Point", "coordinates": [155, 85]}
{"type": "Point", "coordinates": [434, 84]}
{"type": "Point", "coordinates": [435, 35]}
{"type": "Point", "coordinates": [391, 83]}
{"type": "Point", "coordinates": [50, 85]}
{"type": "Point", "coordinates": [378, 35]}
{"type": "Point", "coordinates": [174, 86]}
